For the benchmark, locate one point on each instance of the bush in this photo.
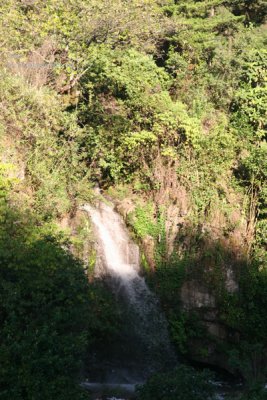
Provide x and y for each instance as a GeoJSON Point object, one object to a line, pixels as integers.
{"type": "Point", "coordinates": [44, 302]}
{"type": "Point", "coordinates": [183, 383]}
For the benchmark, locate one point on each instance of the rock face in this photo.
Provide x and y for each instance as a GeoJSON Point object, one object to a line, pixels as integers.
{"type": "Point", "coordinates": [198, 299]}
{"type": "Point", "coordinates": [214, 246]}
{"type": "Point", "coordinates": [82, 241]}
{"type": "Point", "coordinates": [125, 207]}
{"type": "Point", "coordinates": [195, 296]}
{"type": "Point", "coordinates": [230, 283]}
{"type": "Point", "coordinates": [148, 246]}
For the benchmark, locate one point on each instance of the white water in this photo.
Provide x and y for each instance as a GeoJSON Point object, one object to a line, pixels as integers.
{"type": "Point", "coordinates": [119, 255]}
{"type": "Point", "coordinates": [146, 343]}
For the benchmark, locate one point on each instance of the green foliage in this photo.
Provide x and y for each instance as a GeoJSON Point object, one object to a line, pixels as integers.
{"type": "Point", "coordinates": [248, 358]}
{"type": "Point", "coordinates": [44, 298]}
{"type": "Point", "coordinates": [126, 92]}
{"type": "Point", "coordinates": [105, 320]}
{"type": "Point", "coordinates": [5, 182]}
{"type": "Point", "coordinates": [149, 224]}
{"type": "Point", "coordinates": [70, 29]}
{"type": "Point", "coordinates": [183, 383]}
{"type": "Point", "coordinates": [254, 10]}
{"type": "Point", "coordinates": [168, 279]}
{"type": "Point", "coordinates": [249, 118]}
{"type": "Point", "coordinates": [145, 223]}
{"type": "Point", "coordinates": [250, 100]}
{"type": "Point", "coordinates": [257, 392]}
{"type": "Point", "coordinates": [132, 113]}
{"type": "Point", "coordinates": [244, 312]}
{"type": "Point", "coordinates": [184, 327]}
{"type": "Point", "coordinates": [43, 135]}
{"type": "Point", "coordinates": [49, 313]}
{"type": "Point", "coordinates": [249, 305]}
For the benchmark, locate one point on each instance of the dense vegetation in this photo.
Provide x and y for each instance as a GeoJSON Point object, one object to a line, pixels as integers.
{"type": "Point", "coordinates": [162, 103]}
{"type": "Point", "coordinates": [48, 313]}
{"type": "Point", "coordinates": [182, 383]}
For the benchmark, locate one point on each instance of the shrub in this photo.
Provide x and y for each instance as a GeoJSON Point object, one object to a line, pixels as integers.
{"type": "Point", "coordinates": [183, 383]}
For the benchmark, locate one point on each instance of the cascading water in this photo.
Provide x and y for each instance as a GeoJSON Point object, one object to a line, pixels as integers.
{"type": "Point", "coordinates": [144, 345]}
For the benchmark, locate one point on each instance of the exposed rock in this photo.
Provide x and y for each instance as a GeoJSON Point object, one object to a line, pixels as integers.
{"type": "Point", "coordinates": [148, 245]}
{"type": "Point", "coordinates": [173, 222]}
{"type": "Point", "coordinates": [230, 282]}
{"type": "Point", "coordinates": [124, 207]}
{"type": "Point", "coordinates": [210, 315]}
{"type": "Point", "coordinates": [193, 295]}
{"type": "Point", "coordinates": [173, 196]}
{"type": "Point", "coordinates": [216, 329]}
{"type": "Point", "coordinates": [206, 352]}
{"type": "Point", "coordinates": [197, 294]}
{"type": "Point", "coordinates": [78, 227]}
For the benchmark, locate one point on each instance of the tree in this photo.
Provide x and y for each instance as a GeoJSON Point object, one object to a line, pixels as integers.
{"type": "Point", "coordinates": [44, 303]}
{"type": "Point", "coordinates": [254, 10]}
{"type": "Point", "coordinates": [70, 28]}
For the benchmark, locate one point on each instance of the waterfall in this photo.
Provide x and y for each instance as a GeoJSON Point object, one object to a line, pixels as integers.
{"type": "Point", "coordinates": [144, 344]}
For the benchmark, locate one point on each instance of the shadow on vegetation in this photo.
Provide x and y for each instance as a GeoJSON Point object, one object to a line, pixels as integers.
{"type": "Point", "coordinates": [44, 305]}
{"type": "Point", "coordinates": [215, 301]}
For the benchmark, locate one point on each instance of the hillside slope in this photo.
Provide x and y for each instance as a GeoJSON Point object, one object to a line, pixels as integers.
{"type": "Point", "coordinates": [162, 105]}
